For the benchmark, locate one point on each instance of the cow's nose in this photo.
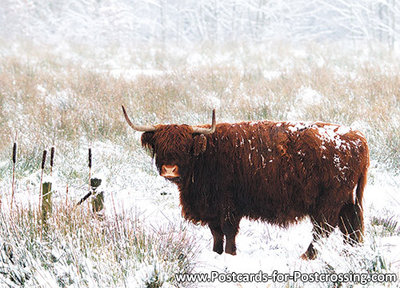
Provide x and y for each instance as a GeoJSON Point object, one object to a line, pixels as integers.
{"type": "Point", "coordinates": [170, 171]}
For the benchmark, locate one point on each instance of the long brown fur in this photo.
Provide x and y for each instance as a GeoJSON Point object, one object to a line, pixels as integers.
{"type": "Point", "coordinates": [278, 172]}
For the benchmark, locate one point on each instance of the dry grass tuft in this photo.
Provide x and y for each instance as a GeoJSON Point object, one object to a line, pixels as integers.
{"type": "Point", "coordinates": [78, 249]}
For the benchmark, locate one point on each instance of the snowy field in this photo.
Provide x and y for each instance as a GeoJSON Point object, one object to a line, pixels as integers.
{"type": "Point", "coordinates": [66, 67]}
{"type": "Point", "coordinates": [49, 107]}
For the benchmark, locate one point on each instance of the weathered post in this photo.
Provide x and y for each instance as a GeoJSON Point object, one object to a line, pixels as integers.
{"type": "Point", "coordinates": [41, 179]}
{"type": "Point", "coordinates": [98, 199]}
{"type": "Point", "coordinates": [46, 201]}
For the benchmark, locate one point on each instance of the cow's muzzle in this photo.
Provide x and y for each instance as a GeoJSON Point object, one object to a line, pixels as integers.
{"type": "Point", "coordinates": [170, 171]}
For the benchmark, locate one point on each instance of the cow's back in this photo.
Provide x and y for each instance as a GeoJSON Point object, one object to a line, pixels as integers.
{"type": "Point", "coordinates": [278, 171]}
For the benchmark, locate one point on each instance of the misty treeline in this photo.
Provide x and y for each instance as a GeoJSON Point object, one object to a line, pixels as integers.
{"type": "Point", "coordinates": [187, 21]}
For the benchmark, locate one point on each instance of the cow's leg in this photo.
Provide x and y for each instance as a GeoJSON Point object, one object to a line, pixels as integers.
{"type": "Point", "coordinates": [322, 228]}
{"type": "Point", "coordinates": [218, 236]}
{"type": "Point", "coordinates": [351, 223]}
{"type": "Point", "coordinates": [230, 228]}
{"type": "Point", "coordinates": [319, 230]}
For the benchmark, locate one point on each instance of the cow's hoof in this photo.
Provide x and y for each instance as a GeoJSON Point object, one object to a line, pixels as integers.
{"type": "Point", "coordinates": [218, 250]}
{"type": "Point", "coordinates": [233, 252]}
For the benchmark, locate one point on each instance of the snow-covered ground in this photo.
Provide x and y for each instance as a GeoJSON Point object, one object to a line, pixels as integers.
{"type": "Point", "coordinates": [59, 55]}
{"type": "Point", "coordinates": [265, 247]}
{"type": "Point", "coordinates": [138, 191]}
{"type": "Point", "coordinates": [132, 185]}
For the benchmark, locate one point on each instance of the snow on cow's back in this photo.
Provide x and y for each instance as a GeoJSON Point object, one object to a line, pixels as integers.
{"type": "Point", "coordinates": [338, 148]}
{"type": "Point", "coordinates": [342, 137]}
{"type": "Point", "coordinates": [267, 140]}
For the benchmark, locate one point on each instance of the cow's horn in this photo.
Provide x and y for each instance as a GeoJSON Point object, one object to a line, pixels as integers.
{"type": "Point", "coordinates": [147, 128]}
{"type": "Point", "coordinates": [211, 130]}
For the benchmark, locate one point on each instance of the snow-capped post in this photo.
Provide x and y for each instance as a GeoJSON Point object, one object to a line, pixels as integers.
{"type": "Point", "coordinates": [92, 184]}
{"type": "Point", "coordinates": [14, 159]}
{"type": "Point", "coordinates": [41, 179]}
{"type": "Point", "coordinates": [46, 189]}
{"type": "Point", "coordinates": [98, 200]}
{"type": "Point", "coordinates": [46, 203]}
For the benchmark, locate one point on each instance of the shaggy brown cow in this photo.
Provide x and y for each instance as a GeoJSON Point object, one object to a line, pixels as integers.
{"type": "Point", "coordinates": [279, 172]}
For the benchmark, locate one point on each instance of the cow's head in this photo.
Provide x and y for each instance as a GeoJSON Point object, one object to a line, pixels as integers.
{"type": "Point", "coordinates": [174, 146]}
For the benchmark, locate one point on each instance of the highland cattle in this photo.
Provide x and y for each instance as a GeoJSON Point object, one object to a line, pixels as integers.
{"type": "Point", "coordinates": [273, 171]}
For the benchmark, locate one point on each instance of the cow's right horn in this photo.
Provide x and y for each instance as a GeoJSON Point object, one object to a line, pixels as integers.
{"type": "Point", "coordinates": [201, 130]}
{"type": "Point", "coordinates": [139, 128]}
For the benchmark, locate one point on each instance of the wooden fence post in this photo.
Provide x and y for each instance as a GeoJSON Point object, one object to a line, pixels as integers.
{"type": "Point", "coordinates": [46, 201]}
{"type": "Point", "coordinates": [98, 200]}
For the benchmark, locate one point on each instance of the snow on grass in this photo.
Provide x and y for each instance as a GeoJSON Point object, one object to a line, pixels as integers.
{"type": "Point", "coordinates": [242, 85]}
{"type": "Point", "coordinates": [265, 247]}
{"type": "Point", "coordinates": [133, 188]}
{"type": "Point", "coordinates": [130, 74]}
{"type": "Point", "coordinates": [306, 98]}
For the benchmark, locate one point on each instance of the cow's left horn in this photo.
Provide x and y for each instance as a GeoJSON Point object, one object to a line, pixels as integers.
{"type": "Point", "coordinates": [139, 128]}
{"type": "Point", "coordinates": [211, 130]}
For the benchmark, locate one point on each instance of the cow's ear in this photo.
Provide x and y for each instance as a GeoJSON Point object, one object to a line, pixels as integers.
{"type": "Point", "coordinates": [148, 140]}
{"type": "Point", "coordinates": [200, 144]}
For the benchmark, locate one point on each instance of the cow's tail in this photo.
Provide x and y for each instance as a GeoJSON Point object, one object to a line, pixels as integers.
{"type": "Point", "coordinates": [359, 211]}
{"type": "Point", "coordinates": [362, 181]}
{"type": "Point", "coordinates": [351, 220]}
